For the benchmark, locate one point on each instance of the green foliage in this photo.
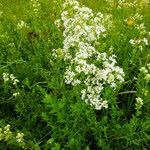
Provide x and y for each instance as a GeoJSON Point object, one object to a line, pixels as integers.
{"type": "Point", "coordinates": [50, 113]}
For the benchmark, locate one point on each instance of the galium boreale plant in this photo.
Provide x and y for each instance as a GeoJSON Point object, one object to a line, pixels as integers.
{"type": "Point", "coordinates": [12, 138]}
{"type": "Point", "coordinates": [88, 67]}
{"type": "Point", "coordinates": [10, 85]}
{"type": "Point", "coordinates": [141, 39]}
{"type": "Point", "coordinates": [136, 131]}
{"type": "Point", "coordinates": [143, 88]}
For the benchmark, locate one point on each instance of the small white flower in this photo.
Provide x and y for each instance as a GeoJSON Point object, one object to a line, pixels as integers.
{"type": "Point", "coordinates": [147, 77]}
{"type": "Point", "coordinates": [104, 104]}
{"type": "Point", "coordinates": [76, 82]}
{"type": "Point", "coordinates": [141, 48]}
{"type": "Point", "coordinates": [148, 65]}
{"type": "Point", "coordinates": [57, 23]}
{"type": "Point", "coordinates": [7, 127]}
{"type": "Point", "coordinates": [12, 77]}
{"type": "Point", "coordinates": [6, 77]}
{"type": "Point", "coordinates": [15, 81]}
{"type": "Point", "coordinates": [145, 41]}
{"type": "Point", "coordinates": [19, 137]}
{"type": "Point", "coordinates": [139, 103]}
{"type": "Point", "coordinates": [21, 24]}
{"type": "Point", "coordinates": [144, 70]}
{"type": "Point", "coordinates": [16, 94]}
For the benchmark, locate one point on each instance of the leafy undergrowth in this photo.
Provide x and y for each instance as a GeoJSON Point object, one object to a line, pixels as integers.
{"type": "Point", "coordinates": [74, 75]}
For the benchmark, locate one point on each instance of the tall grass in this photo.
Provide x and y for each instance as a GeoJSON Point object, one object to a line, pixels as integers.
{"type": "Point", "coordinates": [39, 110]}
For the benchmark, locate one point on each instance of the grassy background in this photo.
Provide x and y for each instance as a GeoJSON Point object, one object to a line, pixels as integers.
{"type": "Point", "coordinates": [52, 114]}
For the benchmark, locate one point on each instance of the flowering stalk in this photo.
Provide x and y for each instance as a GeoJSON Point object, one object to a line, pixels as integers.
{"type": "Point", "coordinates": [81, 29]}
{"type": "Point", "coordinates": [6, 135]}
{"type": "Point", "coordinates": [10, 78]}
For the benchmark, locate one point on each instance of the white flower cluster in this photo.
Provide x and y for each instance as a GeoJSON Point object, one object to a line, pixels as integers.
{"type": "Point", "coordinates": [139, 103]}
{"type": "Point", "coordinates": [122, 4]}
{"type": "Point", "coordinates": [146, 72]}
{"type": "Point", "coordinates": [134, 20]}
{"type": "Point", "coordinates": [139, 25]}
{"type": "Point", "coordinates": [36, 6]}
{"type": "Point", "coordinates": [19, 137]}
{"type": "Point", "coordinates": [139, 42]}
{"type": "Point", "coordinates": [142, 29]}
{"type": "Point", "coordinates": [16, 94]}
{"type": "Point", "coordinates": [5, 134]}
{"type": "Point", "coordinates": [142, 40]}
{"type": "Point", "coordinates": [21, 24]}
{"type": "Point", "coordinates": [87, 65]}
{"type": "Point", "coordinates": [12, 79]}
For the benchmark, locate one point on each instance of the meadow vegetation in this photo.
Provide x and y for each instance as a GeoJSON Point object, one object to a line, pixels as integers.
{"type": "Point", "coordinates": [74, 75]}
